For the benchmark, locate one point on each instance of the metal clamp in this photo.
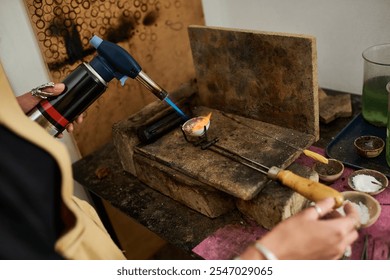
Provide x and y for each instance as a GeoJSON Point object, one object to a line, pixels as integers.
{"type": "Point", "coordinates": [38, 92]}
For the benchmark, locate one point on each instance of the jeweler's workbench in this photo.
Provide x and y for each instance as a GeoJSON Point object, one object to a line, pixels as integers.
{"type": "Point", "coordinates": [218, 238]}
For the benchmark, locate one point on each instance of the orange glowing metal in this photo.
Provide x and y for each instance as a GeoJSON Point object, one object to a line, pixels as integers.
{"type": "Point", "coordinates": [203, 121]}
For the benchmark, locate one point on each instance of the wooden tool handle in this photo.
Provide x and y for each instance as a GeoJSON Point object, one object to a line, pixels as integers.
{"type": "Point", "coordinates": [312, 190]}
{"type": "Point", "coordinates": [316, 156]}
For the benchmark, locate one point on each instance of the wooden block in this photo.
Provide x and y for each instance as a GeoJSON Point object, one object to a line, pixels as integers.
{"type": "Point", "coordinates": [266, 76]}
{"type": "Point", "coordinates": [334, 106]}
{"type": "Point", "coordinates": [276, 202]}
{"type": "Point", "coordinates": [192, 193]}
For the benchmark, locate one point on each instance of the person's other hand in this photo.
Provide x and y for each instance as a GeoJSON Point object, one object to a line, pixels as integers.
{"type": "Point", "coordinates": [307, 236]}
{"type": "Point", "coordinates": [27, 102]}
{"type": "Point", "coordinates": [70, 126]}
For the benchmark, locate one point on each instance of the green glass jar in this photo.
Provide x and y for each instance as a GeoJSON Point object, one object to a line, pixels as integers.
{"type": "Point", "coordinates": [376, 76]}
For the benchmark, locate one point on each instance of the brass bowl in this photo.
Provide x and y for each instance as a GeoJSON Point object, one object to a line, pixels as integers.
{"type": "Point", "coordinates": [369, 146]}
{"type": "Point", "coordinates": [368, 181]}
{"type": "Point", "coordinates": [329, 172]}
{"type": "Point", "coordinates": [364, 200]}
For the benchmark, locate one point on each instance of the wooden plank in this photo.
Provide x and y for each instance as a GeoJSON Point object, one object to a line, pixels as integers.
{"type": "Point", "coordinates": [261, 142]}
{"type": "Point", "coordinates": [266, 76]}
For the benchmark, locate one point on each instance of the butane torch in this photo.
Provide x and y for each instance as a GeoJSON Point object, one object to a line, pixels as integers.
{"type": "Point", "coordinates": [87, 82]}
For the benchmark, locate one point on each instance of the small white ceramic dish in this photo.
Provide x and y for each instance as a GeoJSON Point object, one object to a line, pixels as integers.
{"type": "Point", "coordinates": [368, 181]}
{"type": "Point", "coordinates": [367, 205]}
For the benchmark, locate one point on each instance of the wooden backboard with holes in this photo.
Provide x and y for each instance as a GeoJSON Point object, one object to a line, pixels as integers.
{"type": "Point", "coordinates": [154, 32]}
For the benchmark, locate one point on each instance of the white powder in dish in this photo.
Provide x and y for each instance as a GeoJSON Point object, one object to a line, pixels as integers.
{"type": "Point", "coordinates": [361, 208]}
{"type": "Point", "coordinates": [366, 183]}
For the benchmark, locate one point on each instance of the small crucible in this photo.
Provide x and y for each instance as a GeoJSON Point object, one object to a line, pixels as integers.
{"type": "Point", "coordinates": [196, 127]}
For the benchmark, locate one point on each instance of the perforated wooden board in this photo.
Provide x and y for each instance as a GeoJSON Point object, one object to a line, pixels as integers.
{"type": "Point", "coordinates": [154, 32]}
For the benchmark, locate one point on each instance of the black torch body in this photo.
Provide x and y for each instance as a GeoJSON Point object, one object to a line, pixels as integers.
{"type": "Point", "coordinates": [82, 87]}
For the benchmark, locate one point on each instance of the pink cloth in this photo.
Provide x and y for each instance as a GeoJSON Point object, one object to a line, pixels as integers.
{"type": "Point", "coordinates": [229, 241]}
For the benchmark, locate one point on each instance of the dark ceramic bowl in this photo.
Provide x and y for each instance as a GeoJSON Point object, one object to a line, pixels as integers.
{"type": "Point", "coordinates": [369, 146]}
{"type": "Point", "coordinates": [329, 172]}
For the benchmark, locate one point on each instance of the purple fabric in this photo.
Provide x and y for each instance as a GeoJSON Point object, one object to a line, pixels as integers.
{"type": "Point", "coordinates": [229, 241]}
